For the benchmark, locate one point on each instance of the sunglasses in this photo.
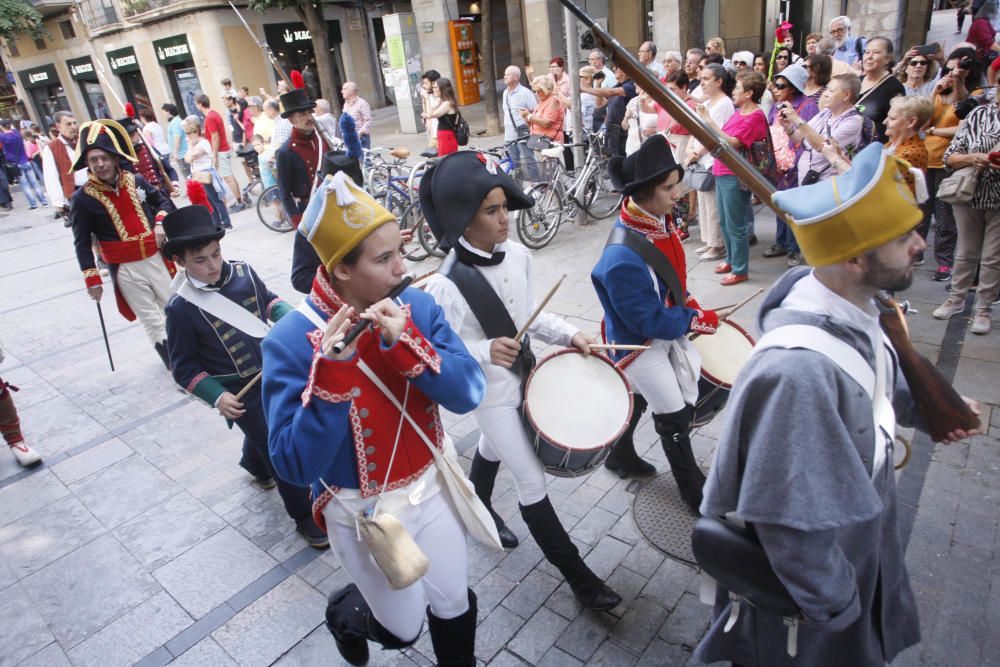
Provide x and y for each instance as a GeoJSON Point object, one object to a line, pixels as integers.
{"type": "Point", "coordinates": [780, 86]}
{"type": "Point", "coordinates": [781, 58]}
{"type": "Point", "coordinates": [919, 63]}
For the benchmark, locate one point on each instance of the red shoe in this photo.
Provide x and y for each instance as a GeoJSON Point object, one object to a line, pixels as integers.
{"type": "Point", "coordinates": [724, 267]}
{"type": "Point", "coordinates": [734, 279]}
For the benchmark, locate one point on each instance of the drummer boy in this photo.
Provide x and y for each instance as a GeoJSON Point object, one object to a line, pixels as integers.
{"type": "Point", "coordinates": [486, 283]}
{"type": "Point", "coordinates": [640, 306]}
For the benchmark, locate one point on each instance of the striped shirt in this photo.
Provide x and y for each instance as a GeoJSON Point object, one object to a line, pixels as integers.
{"type": "Point", "coordinates": [980, 133]}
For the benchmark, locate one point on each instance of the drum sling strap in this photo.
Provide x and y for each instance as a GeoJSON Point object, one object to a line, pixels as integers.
{"type": "Point", "coordinates": [489, 311]}
{"type": "Point", "coordinates": [651, 256]}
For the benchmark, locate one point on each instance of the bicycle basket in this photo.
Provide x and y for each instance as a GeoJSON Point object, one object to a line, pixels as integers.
{"type": "Point", "coordinates": [537, 168]}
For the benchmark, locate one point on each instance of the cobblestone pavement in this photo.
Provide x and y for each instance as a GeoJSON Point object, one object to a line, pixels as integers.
{"type": "Point", "coordinates": [142, 541]}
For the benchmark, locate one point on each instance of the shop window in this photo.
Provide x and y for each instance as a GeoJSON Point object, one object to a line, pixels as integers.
{"type": "Point", "coordinates": [40, 44]}
{"type": "Point", "coordinates": [66, 27]}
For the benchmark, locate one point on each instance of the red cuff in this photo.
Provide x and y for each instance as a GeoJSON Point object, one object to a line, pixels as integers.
{"type": "Point", "coordinates": [412, 353]}
{"type": "Point", "coordinates": [705, 322]}
{"type": "Point", "coordinates": [160, 215]}
{"type": "Point", "coordinates": [92, 277]}
{"type": "Point", "coordinates": [692, 302]}
{"type": "Point", "coordinates": [331, 380]}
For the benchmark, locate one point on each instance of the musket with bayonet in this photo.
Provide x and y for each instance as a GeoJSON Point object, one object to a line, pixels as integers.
{"type": "Point", "coordinates": [330, 143]}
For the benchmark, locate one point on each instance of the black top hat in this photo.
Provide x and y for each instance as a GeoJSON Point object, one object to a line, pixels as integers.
{"type": "Point", "coordinates": [334, 161]}
{"type": "Point", "coordinates": [189, 225]}
{"type": "Point", "coordinates": [296, 100]}
{"type": "Point", "coordinates": [108, 135]}
{"type": "Point", "coordinates": [650, 164]}
{"type": "Point", "coordinates": [454, 188]}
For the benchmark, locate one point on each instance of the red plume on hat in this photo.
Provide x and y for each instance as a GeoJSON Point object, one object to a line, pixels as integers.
{"type": "Point", "coordinates": [196, 193]}
{"type": "Point", "coordinates": [129, 110]}
{"type": "Point", "coordinates": [297, 80]}
{"type": "Point", "coordinates": [783, 31]}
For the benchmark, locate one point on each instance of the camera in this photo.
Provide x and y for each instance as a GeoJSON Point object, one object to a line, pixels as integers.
{"type": "Point", "coordinates": [599, 76]}
{"type": "Point", "coordinates": [965, 107]}
{"type": "Point", "coordinates": [965, 63]}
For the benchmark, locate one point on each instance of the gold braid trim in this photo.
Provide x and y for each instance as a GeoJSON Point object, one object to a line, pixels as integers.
{"type": "Point", "coordinates": [98, 190]}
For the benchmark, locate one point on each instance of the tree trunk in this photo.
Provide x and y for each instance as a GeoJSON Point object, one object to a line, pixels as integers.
{"type": "Point", "coordinates": [489, 71]}
{"type": "Point", "coordinates": [692, 18]}
{"type": "Point", "coordinates": [312, 17]}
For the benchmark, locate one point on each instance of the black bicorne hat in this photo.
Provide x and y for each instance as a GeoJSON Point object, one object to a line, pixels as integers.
{"type": "Point", "coordinates": [334, 161]}
{"type": "Point", "coordinates": [186, 225]}
{"type": "Point", "coordinates": [651, 163]}
{"type": "Point", "coordinates": [296, 100]}
{"type": "Point", "coordinates": [453, 189]}
{"type": "Point", "coordinates": [129, 124]}
{"type": "Point", "coordinates": [108, 135]}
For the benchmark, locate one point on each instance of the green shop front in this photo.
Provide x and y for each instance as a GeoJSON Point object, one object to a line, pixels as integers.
{"type": "Point", "coordinates": [174, 55]}
{"type": "Point", "coordinates": [46, 93]}
{"type": "Point", "coordinates": [125, 65]}
{"type": "Point", "coordinates": [83, 72]}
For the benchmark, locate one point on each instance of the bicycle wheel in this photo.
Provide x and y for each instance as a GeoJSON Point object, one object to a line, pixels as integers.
{"type": "Point", "coordinates": [426, 237]}
{"type": "Point", "coordinates": [413, 250]}
{"type": "Point", "coordinates": [598, 197]}
{"type": "Point", "coordinates": [536, 226]}
{"type": "Point", "coordinates": [271, 212]}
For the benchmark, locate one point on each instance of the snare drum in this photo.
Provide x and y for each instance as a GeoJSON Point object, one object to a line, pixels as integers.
{"type": "Point", "coordinates": [576, 406]}
{"type": "Point", "coordinates": [723, 355]}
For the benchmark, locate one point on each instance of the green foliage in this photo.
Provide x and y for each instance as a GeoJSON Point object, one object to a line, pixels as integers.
{"type": "Point", "coordinates": [264, 5]}
{"type": "Point", "coordinates": [18, 17]}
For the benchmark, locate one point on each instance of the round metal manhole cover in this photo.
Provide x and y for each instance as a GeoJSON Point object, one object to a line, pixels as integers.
{"type": "Point", "coordinates": [663, 518]}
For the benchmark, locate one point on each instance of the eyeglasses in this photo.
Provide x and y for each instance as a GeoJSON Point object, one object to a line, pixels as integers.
{"type": "Point", "coordinates": [919, 63]}
{"type": "Point", "coordinates": [781, 57]}
{"type": "Point", "coordinates": [780, 86]}
{"type": "Point", "coordinates": [837, 31]}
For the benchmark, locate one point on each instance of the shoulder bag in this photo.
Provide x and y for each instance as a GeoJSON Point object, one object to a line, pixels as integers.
{"type": "Point", "coordinates": [960, 186]}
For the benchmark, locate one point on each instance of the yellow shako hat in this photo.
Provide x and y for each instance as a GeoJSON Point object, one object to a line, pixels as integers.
{"type": "Point", "coordinates": [340, 215]}
{"type": "Point", "coordinates": [847, 215]}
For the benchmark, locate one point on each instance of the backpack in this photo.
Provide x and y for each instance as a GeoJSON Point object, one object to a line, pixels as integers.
{"type": "Point", "coordinates": [461, 130]}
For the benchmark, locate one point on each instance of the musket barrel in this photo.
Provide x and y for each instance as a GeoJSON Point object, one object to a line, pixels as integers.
{"type": "Point", "coordinates": [679, 111]}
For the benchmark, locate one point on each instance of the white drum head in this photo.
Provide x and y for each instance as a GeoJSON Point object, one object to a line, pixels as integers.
{"type": "Point", "coordinates": [577, 401]}
{"type": "Point", "coordinates": [724, 353]}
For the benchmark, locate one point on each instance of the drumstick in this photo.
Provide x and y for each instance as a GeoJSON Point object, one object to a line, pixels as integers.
{"type": "Point", "coordinates": [733, 309]}
{"type": "Point", "coordinates": [524, 329]}
{"type": "Point", "coordinates": [612, 346]}
{"type": "Point", "coordinates": [250, 384]}
{"type": "Point", "coordinates": [421, 280]}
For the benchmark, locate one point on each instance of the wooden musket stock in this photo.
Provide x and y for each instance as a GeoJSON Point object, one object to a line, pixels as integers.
{"type": "Point", "coordinates": [941, 406]}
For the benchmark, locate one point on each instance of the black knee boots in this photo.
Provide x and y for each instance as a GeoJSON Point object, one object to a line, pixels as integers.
{"type": "Point", "coordinates": [483, 476]}
{"type": "Point", "coordinates": [623, 459]}
{"type": "Point", "coordinates": [454, 639]}
{"type": "Point", "coordinates": [552, 539]}
{"type": "Point", "coordinates": [352, 625]}
{"type": "Point", "coordinates": [675, 434]}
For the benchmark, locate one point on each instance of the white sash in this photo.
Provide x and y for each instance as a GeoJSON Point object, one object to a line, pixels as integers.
{"type": "Point", "coordinates": [231, 313]}
{"type": "Point", "coordinates": [849, 360]}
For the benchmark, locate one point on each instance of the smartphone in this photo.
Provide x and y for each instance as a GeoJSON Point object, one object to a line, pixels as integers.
{"type": "Point", "coordinates": [995, 158]}
{"type": "Point", "coordinates": [928, 49]}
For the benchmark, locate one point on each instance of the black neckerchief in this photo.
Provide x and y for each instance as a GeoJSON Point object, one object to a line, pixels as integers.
{"type": "Point", "coordinates": [466, 256]}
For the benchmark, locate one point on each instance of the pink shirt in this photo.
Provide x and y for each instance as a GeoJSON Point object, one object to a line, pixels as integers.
{"type": "Point", "coordinates": [748, 129]}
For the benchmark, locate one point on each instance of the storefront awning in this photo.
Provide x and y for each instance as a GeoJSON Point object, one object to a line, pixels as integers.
{"type": "Point", "coordinates": [39, 77]}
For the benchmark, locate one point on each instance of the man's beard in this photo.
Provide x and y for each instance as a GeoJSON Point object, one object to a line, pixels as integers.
{"type": "Point", "coordinates": [840, 41]}
{"type": "Point", "coordinates": [882, 277]}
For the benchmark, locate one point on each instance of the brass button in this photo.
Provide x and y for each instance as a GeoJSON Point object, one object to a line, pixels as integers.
{"type": "Point", "coordinates": [429, 408]}
{"type": "Point", "coordinates": [364, 413]}
{"type": "Point", "coordinates": [355, 392]}
{"type": "Point", "coordinates": [369, 450]}
{"type": "Point", "coordinates": [367, 433]}
{"type": "Point", "coordinates": [417, 340]}
{"type": "Point", "coordinates": [372, 485]}
{"type": "Point", "coordinates": [372, 467]}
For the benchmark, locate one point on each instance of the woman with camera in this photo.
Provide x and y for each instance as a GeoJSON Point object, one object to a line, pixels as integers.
{"type": "Point", "coordinates": [958, 76]}
{"type": "Point", "coordinates": [977, 144]}
{"type": "Point", "coordinates": [878, 85]}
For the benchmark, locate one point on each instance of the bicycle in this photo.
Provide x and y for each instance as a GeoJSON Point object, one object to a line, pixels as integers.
{"type": "Point", "coordinates": [558, 194]}
{"type": "Point", "coordinates": [269, 209]}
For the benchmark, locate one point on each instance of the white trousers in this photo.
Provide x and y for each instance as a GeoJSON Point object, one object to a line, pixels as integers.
{"type": "Point", "coordinates": [708, 220]}
{"type": "Point", "coordinates": [436, 528]}
{"type": "Point", "coordinates": [503, 438]}
{"type": "Point", "coordinates": [146, 287]}
{"type": "Point", "coordinates": [653, 375]}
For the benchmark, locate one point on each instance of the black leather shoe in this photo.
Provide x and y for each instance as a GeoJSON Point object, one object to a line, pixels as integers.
{"type": "Point", "coordinates": [603, 599]}
{"type": "Point", "coordinates": [753, 240]}
{"type": "Point", "coordinates": [508, 540]}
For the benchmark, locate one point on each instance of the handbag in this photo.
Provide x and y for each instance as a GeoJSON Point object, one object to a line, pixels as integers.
{"type": "Point", "coordinates": [203, 177]}
{"type": "Point", "coordinates": [538, 142]}
{"type": "Point", "coordinates": [521, 130]}
{"type": "Point", "coordinates": [698, 177]}
{"type": "Point", "coordinates": [477, 519]}
{"type": "Point", "coordinates": [959, 186]}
